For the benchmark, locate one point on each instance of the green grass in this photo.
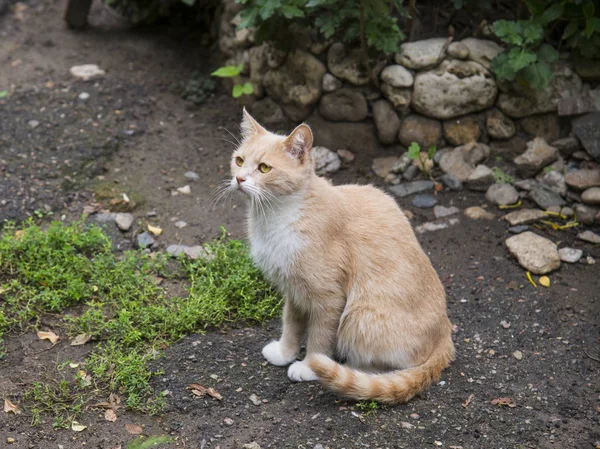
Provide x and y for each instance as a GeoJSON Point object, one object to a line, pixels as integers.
{"type": "Point", "coordinates": [71, 270]}
{"type": "Point", "coordinates": [368, 407]}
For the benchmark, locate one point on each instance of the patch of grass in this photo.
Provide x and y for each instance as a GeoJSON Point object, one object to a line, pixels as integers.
{"type": "Point", "coordinates": [117, 301]}
{"type": "Point", "coordinates": [368, 407]}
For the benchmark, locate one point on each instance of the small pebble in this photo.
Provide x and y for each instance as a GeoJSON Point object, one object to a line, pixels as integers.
{"type": "Point", "coordinates": [570, 255]}
{"type": "Point", "coordinates": [228, 421]}
{"type": "Point", "coordinates": [180, 224]}
{"type": "Point", "coordinates": [414, 416]}
{"type": "Point", "coordinates": [424, 201]}
{"type": "Point", "coordinates": [84, 96]}
{"type": "Point", "coordinates": [185, 190]}
{"type": "Point", "coordinates": [33, 124]}
{"type": "Point", "coordinates": [10, 440]}
{"type": "Point", "coordinates": [192, 175]}
{"type": "Point", "coordinates": [152, 213]}
{"type": "Point", "coordinates": [518, 229]}
{"type": "Point", "coordinates": [145, 240]}
{"type": "Point", "coordinates": [518, 355]}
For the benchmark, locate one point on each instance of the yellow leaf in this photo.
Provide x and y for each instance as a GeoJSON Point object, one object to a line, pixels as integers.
{"type": "Point", "coordinates": [155, 230]}
{"type": "Point", "coordinates": [544, 280]}
{"type": "Point", "coordinates": [78, 427]}
{"type": "Point", "coordinates": [110, 415]}
{"type": "Point", "coordinates": [10, 407]}
{"type": "Point", "coordinates": [81, 339]}
{"type": "Point", "coordinates": [42, 335]}
{"type": "Point", "coordinates": [73, 365]}
{"type": "Point", "coordinates": [528, 274]}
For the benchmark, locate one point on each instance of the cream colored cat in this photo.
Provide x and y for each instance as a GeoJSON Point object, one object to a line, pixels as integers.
{"type": "Point", "coordinates": [353, 274]}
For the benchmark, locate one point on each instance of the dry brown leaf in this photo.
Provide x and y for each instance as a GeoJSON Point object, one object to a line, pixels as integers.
{"type": "Point", "coordinates": [10, 407]}
{"type": "Point", "coordinates": [43, 335]}
{"type": "Point", "coordinates": [468, 401]}
{"type": "Point", "coordinates": [504, 401]}
{"type": "Point", "coordinates": [133, 429]}
{"type": "Point", "coordinates": [214, 394]}
{"type": "Point", "coordinates": [110, 415]}
{"type": "Point", "coordinates": [113, 402]}
{"type": "Point", "coordinates": [81, 339]}
{"type": "Point", "coordinates": [201, 391]}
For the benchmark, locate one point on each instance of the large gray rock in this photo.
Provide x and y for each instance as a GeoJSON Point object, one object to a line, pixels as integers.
{"type": "Point", "coordinates": [566, 146]}
{"type": "Point", "coordinates": [453, 89]}
{"type": "Point", "coordinates": [510, 148]}
{"type": "Point", "coordinates": [583, 179]}
{"type": "Point", "coordinates": [499, 126]}
{"type": "Point", "coordinates": [546, 198]}
{"type": "Point", "coordinates": [587, 130]}
{"type": "Point", "coordinates": [347, 64]}
{"type": "Point", "coordinates": [458, 50]}
{"type": "Point", "coordinates": [534, 253]}
{"type": "Point", "coordinates": [555, 181]}
{"type": "Point", "coordinates": [386, 121]}
{"type": "Point", "coordinates": [410, 188]}
{"type": "Point", "coordinates": [582, 103]}
{"type": "Point", "coordinates": [296, 84]}
{"type": "Point", "coordinates": [344, 105]}
{"type": "Point", "coordinates": [538, 155]}
{"type": "Point", "coordinates": [591, 196]}
{"type": "Point", "coordinates": [399, 97]}
{"type": "Point", "coordinates": [423, 130]}
{"type": "Point", "coordinates": [268, 112]}
{"type": "Point", "coordinates": [461, 161]}
{"type": "Point", "coordinates": [522, 102]}
{"type": "Point", "coordinates": [545, 126]}
{"type": "Point", "coordinates": [482, 51]}
{"type": "Point", "coordinates": [462, 130]}
{"type": "Point", "coordinates": [589, 236]}
{"type": "Point", "coordinates": [326, 161]}
{"type": "Point", "coordinates": [397, 76]}
{"type": "Point", "coordinates": [124, 221]}
{"type": "Point", "coordinates": [481, 178]}
{"type": "Point", "coordinates": [422, 54]}
{"type": "Point", "coordinates": [331, 83]}
{"type": "Point", "coordinates": [523, 216]}
{"type": "Point", "coordinates": [502, 194]}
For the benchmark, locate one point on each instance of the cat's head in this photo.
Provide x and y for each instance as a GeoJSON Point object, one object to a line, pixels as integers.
{"type": "Point", "coordinates": [271, 164]}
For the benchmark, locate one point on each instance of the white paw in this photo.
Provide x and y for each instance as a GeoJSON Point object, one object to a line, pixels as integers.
{"type": "Point", "coordinates": [275, 356]}
{"type": "Point", "coordinates": [301, 372]}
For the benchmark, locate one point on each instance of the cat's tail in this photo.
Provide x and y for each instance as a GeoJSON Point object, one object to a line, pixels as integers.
{"type": "Point", "coordinates": [394, 387]}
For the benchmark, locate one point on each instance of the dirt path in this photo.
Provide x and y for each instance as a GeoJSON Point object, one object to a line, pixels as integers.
{"type": "Point", "coordinates": [135, 134]}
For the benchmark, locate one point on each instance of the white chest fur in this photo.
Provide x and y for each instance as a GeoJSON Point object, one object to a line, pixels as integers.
{"type": "Point", "coordinates": [275, 244]}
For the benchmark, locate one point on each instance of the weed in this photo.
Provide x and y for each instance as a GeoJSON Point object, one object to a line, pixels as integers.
{"type": "Point", "coordinates": [500, 177]}
{"type": "Point", "coordinates": [414, 152]}
{"type": "Point", "coordinates": [120, 305]}
{"type": "Point", "coordinates": [368, 407]}
{"type": "Point", "coordinates": [233, 72]}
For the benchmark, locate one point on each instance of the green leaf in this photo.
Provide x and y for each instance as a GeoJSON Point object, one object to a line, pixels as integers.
{"type": "Point", "coordinates": [538, 75]}
{"type": "Point", "coordinates": [519, 58]}
{"type": "Point", "coordinates": [247, 88]}
{"type": "Point", "coordinates": [228, 71]}
{"type": "Point", "coordinates": [413, 151]}
{"type": "Point", "coordinates": [536, 7]}
{"type": "Point", "coordinates": [546, 53]}
{"type": "Point", "coordinates": [431, 152]}
{"type": "Point", "coordinates": [570, 29]}
{"type": "Point", "coordinates": [509, 31]}
{"type": "Point", "coordinates": [589, 27]}
{"type": "Point", "coordinates": [291, 11]}
{"type": "Point", "coordinates": [533, 33]}
{"type": "Point", "coordinates": [3, 93]}
{"type": "Point", "coordinates": [189, 2]}
{"type": "Point", "coordinates": [502, 68]}
{"type": "Point", "coordinates": [237, 91]}
{"type": "Point", "coordinates": [552, 13]}
{"type": "Point", "coordinates": [588, 10]}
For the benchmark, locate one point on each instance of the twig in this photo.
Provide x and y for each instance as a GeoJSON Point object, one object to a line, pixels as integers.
{"type": "Point", "coordinates": [591, 357]}
{"type": "Point", "coordinates": [442, 54]}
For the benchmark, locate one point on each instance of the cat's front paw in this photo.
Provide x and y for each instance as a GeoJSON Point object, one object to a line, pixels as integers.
{"type": "Point", "coordinates": [275, 354]}
{"type": "Point", "coordinates": [301, 372]}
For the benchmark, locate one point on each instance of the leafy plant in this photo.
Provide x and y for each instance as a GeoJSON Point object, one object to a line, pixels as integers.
{"type": "Point", "coordinates": [370, 22]}
{"type": "Point", "coordinates": [414, 152]}
{"type": "Point", "coordinates": [368, 407]}
{"type": "Point", "coordinates": [500, 177]}
{"type": "Point", "coordinates": [233, 72]}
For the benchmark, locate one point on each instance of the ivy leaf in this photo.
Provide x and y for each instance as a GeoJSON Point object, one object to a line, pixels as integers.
{"type": "Point", "coordinates": [238, 90]}
{"type": "Point", "coordinates": [519, 58]}
{"type": "Point", "coordinates": [552, 13]}
{"type": "Point", "coordinates": [413, 151]}
{"type": "Point", "coordinates": [570, 29]}
{"type": "Point", "coordinates": [247, 88]}
{"type": "Point", "coordinates": [509, 32]}
{"type": "Point", "coordinates": [291, 11]}
{"type": "Point", "coordinates": [538, 75]}
{"type": "Point", "coordinates": [228, 71]}
{"type": "Point", "coordinates": [547, 53]}
{"type": "Point", "coordinates": [502, 68]}
{"type": "Point", "coordinates": [533, 33]}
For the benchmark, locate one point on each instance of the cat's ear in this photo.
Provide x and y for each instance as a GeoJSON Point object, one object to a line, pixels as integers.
{"type": "Point", "coordinates": [250, 126]}
{"type": "Point", "coordinates": [299, 142]}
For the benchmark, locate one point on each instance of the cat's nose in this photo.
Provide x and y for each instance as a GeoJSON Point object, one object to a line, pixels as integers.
{"type": "Point", "coordinates": [240, 179]}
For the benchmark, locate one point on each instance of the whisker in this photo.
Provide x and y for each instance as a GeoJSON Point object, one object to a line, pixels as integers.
{"type": "Point", "coordinates": [231, 134]}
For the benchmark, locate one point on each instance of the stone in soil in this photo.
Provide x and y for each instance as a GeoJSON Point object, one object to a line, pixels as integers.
{"type": "Point", "coordinates": [591, 196]}
{"type": "Point", "coordinates": [479, 213]}
{"type": "Point", "coordinates": [87, 72]}
{"type": "Point", "coordinates": [545, 126]}
{"type": "Point", "coordinates": [585, 214]}
{"type": "Point", "coordinates": [570, 255]}
{"type": "Point", "coordinates": [175, 250]}
{"type": "Point", "coordinates": [436, 225]}
{"type": "Point", "coordinates": [524, 216]}
{"type": "Point", "coordinates": [462, 130]}
{"type": "Point", "coordinates": [526, 184]}
{"type": "Point", "coordinates": [83, 96]}
{"type": "Point", "coordinates": [481, 178]}
{"type": "Point", "coordinates": [498, 125]}
{"type": "Point", "coordinates": [195, 252]}
{"type": "Point", "coordinates": [326, 161]}
{"type": "Point", "coordinates": [589, 236]}
{"type": "Point", "coordinates": [180, 224]}
{"type": "Point", "coordinates": [458, 50]}
{"type": "Point", "coordinates": [518, 229]}
{"type": "Point", "coordinates": [482, 51]}
{"type": "Point", "coordinates": [546, 198]}
{"type": "Point", "coordinates": [421, 54]}
{"type": "Point", "coordinates": [192, 175]}
{"type": "Point", "coordinates": [555, 181]}
{"type": "Point", "coordinates": [537, 156]}
{"type": "Point", "coordinates": [411, 172]}
{"type": "Point", "coordinates": [382, 166]}
{"type": "Point", "coordinates": [534, 253]}
{"type": "Point", "coordinates": [331, 83]}
{"type": "Point", "coordinates": [398, 96]}
{"type": "Point", "coordinates": [33, 124]}
{"type": "Point", "coordinates": [424, 201]}
{"type": "Point", "coordinates": [185, 190]}
{"type": "Point", "coordinates": [451, 181]}
{"type": "Point", "coordinates": [124, 221]}
{"type": "Point", "coordinates": [104, 218]}
{"type": "Point", "coordinates": [586, 129]}
{"type": "Point", "coordinates": [346, 155]}
{"type": "Point", "coordinates": [411, 188]}
{"type": "Point", "coordinates": [144, 240]}
{"type": "Point", "coordinates": [461, 161]}
{"type": "Point", "coordinates": [346, 64]}
{"type": "Point", "coordinates": [415, 128]}
{"type": "Point", "coordinates": [566, 146]}
{"type": "Point", "coordinates": [386, 121]}
{"type": "Point", "coordinates": [443, 211]}
{"type": "Point", "coordinates": [396, 76]}
{"type": "Point", "coordinates": [344, 105]}
{"type": "Point", "coordinates": [502, 194]}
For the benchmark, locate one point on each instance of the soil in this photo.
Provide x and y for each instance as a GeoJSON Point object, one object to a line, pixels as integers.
{"type": "Point", "coordinates": [136, 135]}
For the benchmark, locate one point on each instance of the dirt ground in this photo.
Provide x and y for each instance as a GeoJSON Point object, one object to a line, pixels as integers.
{"type": "Point", "coordinates": [134, 133]}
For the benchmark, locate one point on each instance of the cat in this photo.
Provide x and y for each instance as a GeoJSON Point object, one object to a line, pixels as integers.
{"type": "Point", "coordinates": [350, 268]}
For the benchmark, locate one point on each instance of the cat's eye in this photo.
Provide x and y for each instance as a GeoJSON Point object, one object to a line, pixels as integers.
{"type": "Point", "coordinates": [239, 161]}
{"type": "Point", "coordinates": [264, 168]}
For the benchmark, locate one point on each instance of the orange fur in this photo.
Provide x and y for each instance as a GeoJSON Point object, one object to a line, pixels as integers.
{"type": "Point", "coordinates": [354, 276]}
